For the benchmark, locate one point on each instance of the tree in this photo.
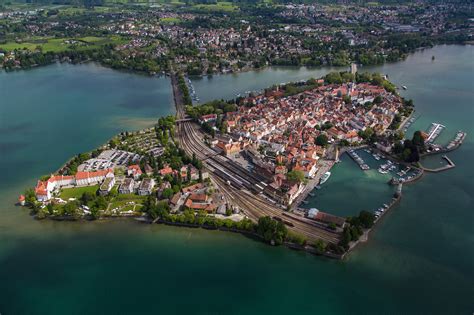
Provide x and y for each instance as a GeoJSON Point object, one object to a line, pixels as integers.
{"type": "Point", "coordinates": [30, 197]}
{"type": "Point", "coordinates": [296, 238]}
{"type": "Point", "coordinates": [188, 173]}
{"type": "Point", "coordinates": [50, 208]}
{"type": "Point", "coordinates": [322, 140]}
{"type": "Point", "coordinates": [167, 193]}
{"type": "Point", "coordinates": [295, 176]}
{"type": "Point", "coordinates": [70, 208]}
{"type": "Point", "coordinates": [418, 139]}
{"type": "Point", "coordinates": [333, 78]}
{"type": "Point", "coordinates": [398, 147]}
{"type": "Point", "coordinates": [366, 134]}
{"type": "Point", "coordinates": [87, 197]}
{"type": "Point", "coordinates": [347, 99]}
{"type": "Point", "coordinates": [272, 230]}
{"type": "Point", "coordinates": [95, 214]}
{"type": "Point", "coordinates": [200, 175]}
{"type": "Point", "coordinates": [320, 246]}
{"type": "Point", "coordinates": [378, 99]}
{"type": "Point", "coordinates": [366, 219]}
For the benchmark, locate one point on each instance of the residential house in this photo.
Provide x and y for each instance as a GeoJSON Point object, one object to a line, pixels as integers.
{"type": "Point", "coordinates": [106, 186]}
{"type": "Point", "coordinates": [127, 187]}
{"type": "Point", "coordinates": [134, 171]}
{"type": "Point", "coordinates": [146, 187]}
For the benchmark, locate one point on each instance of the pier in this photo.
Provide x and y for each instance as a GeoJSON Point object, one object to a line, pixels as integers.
{"type": "Point", "coordinates": [452, 145]}
{"type": "Point", "coordinates": [434, 131]}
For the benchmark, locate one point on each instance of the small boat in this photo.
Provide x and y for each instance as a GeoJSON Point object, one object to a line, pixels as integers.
{"type": "Point", "coordinates": [324, 178]}
{"type": "Point", "coordinates": [404, 87]}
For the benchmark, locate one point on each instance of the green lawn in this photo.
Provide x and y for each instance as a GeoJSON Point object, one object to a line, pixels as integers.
{"type": "Point", "coordinates": [220, 6]}
{"type": "Point", "coordinates": [121, 200]}
{"type": "Point", "coordinates": [77, 192]}
{"type": "Point", "coordinates": [170, 20]}
{"type": "Point", "coordinates": [59, 44]}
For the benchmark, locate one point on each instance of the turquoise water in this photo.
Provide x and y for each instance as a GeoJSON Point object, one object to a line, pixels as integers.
{"type": "Point", "coordinates": [419, 259]}
{"type": "Point", "coordinates": [51, 113]}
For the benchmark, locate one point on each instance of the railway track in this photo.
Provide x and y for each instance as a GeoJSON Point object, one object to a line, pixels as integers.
{"type": "Point", "coordinates": [222, 172]}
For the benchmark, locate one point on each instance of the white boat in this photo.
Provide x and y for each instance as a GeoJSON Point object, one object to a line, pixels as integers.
{"type": "Point", "coordinates": [404, 87]}
{"type": "Point", "coordinates": [324, 178]}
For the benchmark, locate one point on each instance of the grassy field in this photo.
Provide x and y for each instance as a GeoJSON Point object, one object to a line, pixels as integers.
{"type": "Point", "coordinates": [121, 200]}
{"type": "Point", "coordinates": [170, 20]}
{"type": "Point", "coordinates": [220, 6]}
{"type": "Point", "coordinates": [60, 44]}
{"type": "Point", "coordinates": [77, 192]}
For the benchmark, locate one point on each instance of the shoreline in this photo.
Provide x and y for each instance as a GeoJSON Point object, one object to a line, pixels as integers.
{"type": "Point", "coordinates": [263, 68]}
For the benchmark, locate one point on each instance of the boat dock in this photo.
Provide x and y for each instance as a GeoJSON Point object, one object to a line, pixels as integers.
{"type": "Point", "coordinates": [457, 141]}
{"type": "Point", "coordinates": [452, 145]}
{"type": "Point", "coordinates": [408, 179]}
{"type": "Point", "coordinates": [353, 154]}
{"type": "Point", "coordinates": [404, 127]}
{"type": "Point", "coordinates": [192, 91]}
{"type": "Point", "coordinates": [434, 131]}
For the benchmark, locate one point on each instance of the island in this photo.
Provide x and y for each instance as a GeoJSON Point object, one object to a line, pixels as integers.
{"type": "Point", "coordinates": [246, 165]}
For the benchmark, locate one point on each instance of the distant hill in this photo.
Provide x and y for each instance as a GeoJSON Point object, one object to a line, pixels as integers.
{"type": "Point", "coordinates": [101, 2]}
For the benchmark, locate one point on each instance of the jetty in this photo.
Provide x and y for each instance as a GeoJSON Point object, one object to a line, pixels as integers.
{"type": "Point", "coordinates": [395, 181]}
{"type": "Point", "coordinates": [442, 168]}
{"type": "Point", "coordinates": [397, 196]}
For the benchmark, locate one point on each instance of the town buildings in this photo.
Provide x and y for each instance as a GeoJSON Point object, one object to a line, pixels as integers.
{"type": "Point", "coordinates": [287, 134]}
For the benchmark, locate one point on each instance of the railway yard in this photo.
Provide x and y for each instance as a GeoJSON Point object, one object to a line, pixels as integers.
{"type": "Point", "coordinates": [242, 188]}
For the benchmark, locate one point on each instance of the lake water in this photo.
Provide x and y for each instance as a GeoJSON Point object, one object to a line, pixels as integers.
{"type": "Point", "coordinates": [419, 260]}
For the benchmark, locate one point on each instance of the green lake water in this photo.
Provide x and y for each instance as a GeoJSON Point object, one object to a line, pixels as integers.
{"type": "Point", "coordinates": [419, 260]}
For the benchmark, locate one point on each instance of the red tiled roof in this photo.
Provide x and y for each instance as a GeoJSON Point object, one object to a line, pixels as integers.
{"type": "Point", "coordinates": [40, 188]}
{"type": "Point", "coordinates": [135, 168]}
{"type": "Point", "coordinates": [84, 175]}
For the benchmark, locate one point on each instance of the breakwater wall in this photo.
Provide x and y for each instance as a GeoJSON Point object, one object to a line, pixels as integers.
{"type": "Point", "coordinates": [365, 236]}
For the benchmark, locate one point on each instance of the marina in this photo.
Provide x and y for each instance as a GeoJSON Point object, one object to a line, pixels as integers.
{"type": "Point", "coordinates": [363, 166]}
{"type": "Point", "coordinates": [399, 173]}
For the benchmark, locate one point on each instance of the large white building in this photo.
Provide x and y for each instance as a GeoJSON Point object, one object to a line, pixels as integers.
{"type": "Point", "coordinates": [45, 189]}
